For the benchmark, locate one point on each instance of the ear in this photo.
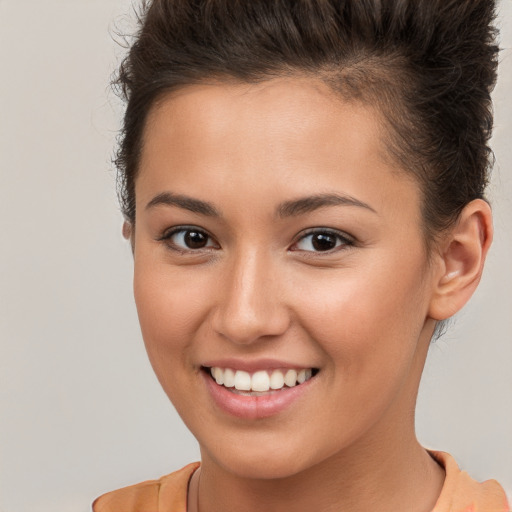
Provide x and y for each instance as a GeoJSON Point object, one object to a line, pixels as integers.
{"type": "Point", "coordinates": [461, 260]}
{"type": "Point", "coordinates": [129, 233]}
{"type": "Point", "coordinates": [127, 230]}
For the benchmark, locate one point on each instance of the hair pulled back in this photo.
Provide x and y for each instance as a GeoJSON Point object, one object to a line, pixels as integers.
{"type": "Point", "coordinates": [428, 65]}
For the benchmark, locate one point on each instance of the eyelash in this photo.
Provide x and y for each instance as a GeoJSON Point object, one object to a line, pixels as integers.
{"type": "Point", "coordinates": [342, 240]}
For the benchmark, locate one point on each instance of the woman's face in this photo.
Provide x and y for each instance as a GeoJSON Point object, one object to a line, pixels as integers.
{"type": "Point", "coordinates": [274, 235]}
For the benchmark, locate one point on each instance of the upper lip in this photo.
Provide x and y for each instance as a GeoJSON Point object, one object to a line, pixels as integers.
{"type": "Point", "coordinates": [254, 365]}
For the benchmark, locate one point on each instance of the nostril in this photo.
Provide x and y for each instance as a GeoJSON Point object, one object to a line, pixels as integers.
{"type": "Point", "coordinates": [251, 326]}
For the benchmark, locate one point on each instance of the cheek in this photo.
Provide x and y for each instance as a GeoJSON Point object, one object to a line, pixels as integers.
{"type": "Point", "coordinates": [168, 298]}
{"type": "Point", "coordinates": [368, 321]}
{"type": "Point", "coordinates": [170, 307]}
{"type": "Point", "coordinates": [368, 328]}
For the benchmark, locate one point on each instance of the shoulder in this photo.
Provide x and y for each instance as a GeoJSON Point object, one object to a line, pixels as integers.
{"type": "Point", "coordinates": [170, 492]}
{"type": "Point", "coordinates": [461, 493]}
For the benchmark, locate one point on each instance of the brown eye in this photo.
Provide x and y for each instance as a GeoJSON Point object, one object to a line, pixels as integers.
{"type": "Point", "coordinates": [195, 239]}
{"type": "Point", "coordinates": [322, 241]}
{"type": "Point", "coordinates": [189, 239]}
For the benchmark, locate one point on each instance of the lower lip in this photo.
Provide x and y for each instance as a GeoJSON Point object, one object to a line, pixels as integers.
{"type": "Point", "coordinates": [254, 407]}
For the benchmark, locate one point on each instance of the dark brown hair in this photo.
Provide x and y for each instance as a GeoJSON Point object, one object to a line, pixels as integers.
{"type": "Point", "coordinates": [428, 65]}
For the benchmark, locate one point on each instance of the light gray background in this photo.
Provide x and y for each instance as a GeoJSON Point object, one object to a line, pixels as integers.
{"type": "Point", "coordinates": [80, 410]}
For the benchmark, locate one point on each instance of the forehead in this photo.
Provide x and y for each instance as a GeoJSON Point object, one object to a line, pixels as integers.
{"type": "Point", "coordinates": [274, 114]}
{"type": "Point", "coordinates": [285, 135]}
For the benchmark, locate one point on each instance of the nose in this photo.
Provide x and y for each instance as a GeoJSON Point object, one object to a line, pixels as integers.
{"type": "Point", "coordinates": [251, 305]}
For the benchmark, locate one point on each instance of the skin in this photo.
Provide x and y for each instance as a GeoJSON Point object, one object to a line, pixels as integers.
{"type": "Point", "coordinates": [362, 313]}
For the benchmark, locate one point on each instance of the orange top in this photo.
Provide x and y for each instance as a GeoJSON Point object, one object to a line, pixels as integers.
{"type": "Point", "coordinates": [460, 493]}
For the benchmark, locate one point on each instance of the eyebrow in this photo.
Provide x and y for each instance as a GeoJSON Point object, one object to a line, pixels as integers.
{"type": "Point", "coordinates": [292, 208]}
{"type": "Point", "coordinates": [185, 202]}
{"type": "Point", "coordinates": [308, 204]}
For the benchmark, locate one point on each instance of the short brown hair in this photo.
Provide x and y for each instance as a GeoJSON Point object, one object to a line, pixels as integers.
{"type": "Point", "coordinates": [428, 65]}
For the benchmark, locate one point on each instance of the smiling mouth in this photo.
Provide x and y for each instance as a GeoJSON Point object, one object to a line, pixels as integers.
{"type": "Point", "coordinates": [259, 383]}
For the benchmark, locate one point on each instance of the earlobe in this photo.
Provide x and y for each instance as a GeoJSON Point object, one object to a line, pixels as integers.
{"type": "Point", "coordinates": [461, 260]}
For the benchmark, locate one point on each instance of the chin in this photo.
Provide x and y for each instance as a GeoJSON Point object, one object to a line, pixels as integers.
{"type": "Point", "coordinates": [263, 467]}
{"type": "Point", "coordinates": [263, 461]}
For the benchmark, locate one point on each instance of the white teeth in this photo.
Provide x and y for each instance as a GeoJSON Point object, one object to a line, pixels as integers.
{"type": "Point", "coordinates": [218, 375]}
{"type": "Point", "coordinates": [290, 378]}
{"type": "Point", "coordinates": [229, 378]}
{"type": "Point", "coordinates": [260, 381]}
{"type": "Point", "coordinates": [276, 380]}
{"type": "Point", "coordinates": [242, 381]}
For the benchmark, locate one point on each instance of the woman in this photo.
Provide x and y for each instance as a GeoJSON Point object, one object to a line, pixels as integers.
{"type": "Point", "coordinates": [303, 186]}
